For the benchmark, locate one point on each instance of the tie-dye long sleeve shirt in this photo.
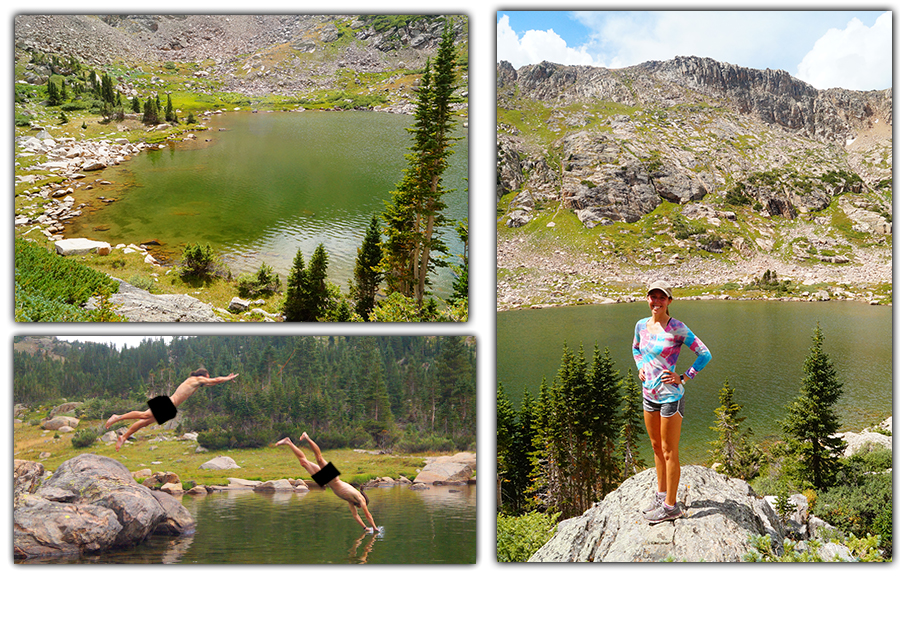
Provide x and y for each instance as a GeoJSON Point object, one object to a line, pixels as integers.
{"type": "Point", "coordinates": [657, 353]}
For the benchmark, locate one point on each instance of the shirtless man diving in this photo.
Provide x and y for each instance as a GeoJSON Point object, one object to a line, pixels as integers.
{"type": "Point", "coordinates": [325, 474]}
{"type": "Point", "coordinates": [163, 408]}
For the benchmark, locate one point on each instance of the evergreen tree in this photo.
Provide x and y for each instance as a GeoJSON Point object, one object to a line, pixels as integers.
{"type": "Point", "coordinates": [811, 421]}
{"type": "Point", "coordinates": [53, 93]}
{"type": "Point", "coordinates": [306, 295]}
{"type": "Point", "coordinates": [414, 217]}
{"type": "Point", "coordinates": [367, 275]}
{"type": "Point", "coordinates": [602, 423]}
{"type": "Point", "coordinates": [170, 110]}
{"type": "Point", "coordinates": [506, 429]}
{"type": "Point", "coordinates": [739, 457]}
{"type": "Point", "coordinates": [576, 424]}
{"type": "Point", "coordinates": [295, 296]}
{"type": "Point", "coordinates": [317, 280]}
{"type": "Point", "coordinates": [632, 427]}
{"type": "Point", "coordinates": [515, 436]}
{"type": "Point", "coordinates": [461, 282]}
{"type": "Point", "coordinates": [151, 112]}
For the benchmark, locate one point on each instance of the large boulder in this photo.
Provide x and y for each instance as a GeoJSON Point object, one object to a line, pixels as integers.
{"type": "Point", "coordinates": [220, 462]}
{"type": "Point", "coordinates": [27, 477]}
{"type": "Point", "coordinates": [90, 504]}
{"type": "Point", "coordinates": [81, 246]}
{"type": "Point", "coordinates": [57, 422]}
{"type": "Point", "coordinates": [458, 468]}
{"type": "Point", "coordinates": [721, 514]}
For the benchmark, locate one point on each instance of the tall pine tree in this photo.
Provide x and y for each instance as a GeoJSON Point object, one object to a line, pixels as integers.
{"type": "Point", "coordinates": [367, 275]}
{"type": "Point", "coordinates": [811, 420]}
{"type": "Point", "coordinates": [307, 292]}
{"type": "Point", "coordinates": [414, 217]}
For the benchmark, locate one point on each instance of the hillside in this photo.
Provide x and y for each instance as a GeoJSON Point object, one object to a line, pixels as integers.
{"type": "Point", "coordinates": [699, 171]}
{"type": "Point", "coordinates": [248, 54]}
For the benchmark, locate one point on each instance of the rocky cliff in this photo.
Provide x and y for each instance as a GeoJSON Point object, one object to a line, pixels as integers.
{"type": "Point", "coordinates": [721, 515]}
{"type": "Point", "coordinates": [702, 158]}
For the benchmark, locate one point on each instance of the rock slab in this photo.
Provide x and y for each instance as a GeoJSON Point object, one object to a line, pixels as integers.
{"type": "Point", "coordinates": [721, 514]}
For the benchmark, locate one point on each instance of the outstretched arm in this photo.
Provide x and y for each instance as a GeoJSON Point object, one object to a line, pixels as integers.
{"type": "Point", "coordinates": [355, 514]}
{"type": "Point", "coordinates": [212, 381]}
{"type": "Point", "coordinates": [369, 516]}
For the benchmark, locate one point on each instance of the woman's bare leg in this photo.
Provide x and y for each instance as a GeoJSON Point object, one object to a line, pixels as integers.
{"type": "Point", "coordinates": [131, 415]}
{"type": "Point", "coordinates": [652, 421]}
{"type": "Point", "coordinates": [305, 462]}
{"type": "Point", "coordinates": [670, 433]}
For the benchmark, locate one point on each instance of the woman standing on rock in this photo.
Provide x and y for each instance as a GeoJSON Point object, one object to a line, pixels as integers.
{"type": "Point", "coordinates": [657, 343]}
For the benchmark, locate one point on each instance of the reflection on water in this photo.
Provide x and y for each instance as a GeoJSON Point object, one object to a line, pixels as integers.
{"type": "Point", "coordinates": [268, 185]}
{"type": "Point", "coordinates": [435, 525]}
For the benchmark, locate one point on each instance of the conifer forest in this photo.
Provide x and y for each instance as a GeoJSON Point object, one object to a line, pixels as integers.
{"type": "Point", "coordinates": [391, 392]}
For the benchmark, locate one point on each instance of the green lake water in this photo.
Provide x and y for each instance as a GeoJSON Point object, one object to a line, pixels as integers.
{"type": "Point", "coordinates": [758, 346]}
{"type": "Point", "coordinates": [431, 526]}
{"type": "Point", "coordinates": [259, 186]}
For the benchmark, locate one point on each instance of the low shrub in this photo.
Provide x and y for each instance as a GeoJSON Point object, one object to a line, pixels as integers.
{"type": "Point", "coordinates": [83, 438]}
{"type": "Point", "coordinates": [519, 537]}
{"type": "Point", "coordinates": [264, 282]}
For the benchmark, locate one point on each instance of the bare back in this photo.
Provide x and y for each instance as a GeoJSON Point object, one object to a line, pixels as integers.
{"type": "Point", "coordinates": [187, 388]}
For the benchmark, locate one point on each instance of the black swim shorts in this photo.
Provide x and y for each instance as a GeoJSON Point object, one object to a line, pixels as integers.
{"type": "Point", "coordinates": [325, 475]}
{"type": "Point", "coordinates": [162, 409]}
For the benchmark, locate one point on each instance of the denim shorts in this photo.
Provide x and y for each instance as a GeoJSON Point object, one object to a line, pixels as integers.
{"type": "Point", "coordinates": [667, 410]}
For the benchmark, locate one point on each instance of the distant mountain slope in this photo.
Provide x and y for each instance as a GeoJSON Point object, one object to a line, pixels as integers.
{"type": "Point", "coordinates": [247, 52]}
{"type": "Point", "coordinates": [732, 163]}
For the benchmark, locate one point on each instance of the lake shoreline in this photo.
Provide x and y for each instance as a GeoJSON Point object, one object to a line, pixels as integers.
{"type": "Point", "coordinates": [631, 299]}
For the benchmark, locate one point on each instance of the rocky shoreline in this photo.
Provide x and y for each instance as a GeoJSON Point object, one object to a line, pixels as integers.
{"type": "Point", "coordinates": [531, 278]}
{"type": "Point", "coordinates": [93, 503]}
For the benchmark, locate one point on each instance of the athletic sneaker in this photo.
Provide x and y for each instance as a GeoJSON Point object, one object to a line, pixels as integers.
{"type": "Point", "coordinates": [662, 513]}
{"type": "Point", "coordinates": [658, 500]}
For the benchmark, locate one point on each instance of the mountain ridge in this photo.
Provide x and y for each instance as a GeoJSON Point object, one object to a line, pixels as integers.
{"type": "Point", "coordinates": [687, 165]}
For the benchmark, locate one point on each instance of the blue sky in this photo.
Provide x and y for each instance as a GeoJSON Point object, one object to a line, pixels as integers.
{"type": "Point", "coordinates": [846, 49]}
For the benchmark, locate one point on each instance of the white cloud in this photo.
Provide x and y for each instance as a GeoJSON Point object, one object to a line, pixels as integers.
{"type": "Point", "coordinates": [535, 46]}
{"type": "Point", "coordinates": [856, 58]}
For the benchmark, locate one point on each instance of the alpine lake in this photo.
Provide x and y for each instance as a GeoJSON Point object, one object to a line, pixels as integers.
{"type": "Point", "coordinates": [257, 187]}
{"type": "Point", "coordinates": [759, 347]}
{"type": "Point", "coordinates": [435, 525]}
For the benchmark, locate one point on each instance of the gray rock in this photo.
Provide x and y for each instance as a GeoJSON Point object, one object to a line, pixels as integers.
{"type": "Point", "coordinates": [448, 469]}
{"type": "Point", "coordinates": [220, 462]}
{"type": "Point", "coordinates": [721, 514]}
{"type": "Point", "coordinates": [865, 441]}
{"type": "Point", "coordinates": [91, 503]}
{"type": "Point", "coordinates": [58, 422]}
{"type": "Point", "coordinates": [26, 477]}
{"type": "Point", "coordinates": [139, 305]}
{"type": "Point", "coordinates": [80, 246]}
{"type": "Point", "coordinates": [238, 305]}
{"type": "Point", "coordinates": [274, 485]}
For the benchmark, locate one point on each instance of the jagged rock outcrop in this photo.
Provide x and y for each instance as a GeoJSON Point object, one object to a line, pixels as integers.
{"type": "Point", "coordinates": [700, 124]}
{"type": "Point", "coordinates": [721, 514]}
{"type": "Point", "coordinates": [751, 159]}
{"type": "Point", "coordinates": [89, 504]}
